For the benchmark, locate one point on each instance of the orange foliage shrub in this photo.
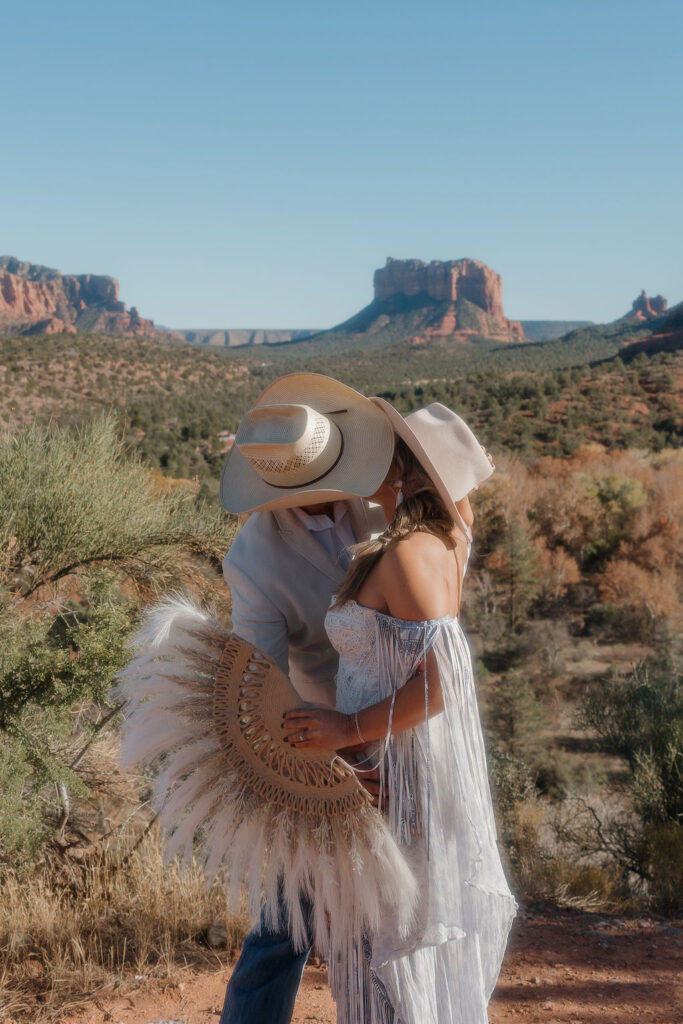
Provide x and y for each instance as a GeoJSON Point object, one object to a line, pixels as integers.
{"type": "Point", "coordinates": [630, 586]}
{"type": "Point", "coordinates": [610, 519]}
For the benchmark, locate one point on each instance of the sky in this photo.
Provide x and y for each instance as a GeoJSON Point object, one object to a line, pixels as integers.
{"type": "Point", "coordinates": [251, 164]}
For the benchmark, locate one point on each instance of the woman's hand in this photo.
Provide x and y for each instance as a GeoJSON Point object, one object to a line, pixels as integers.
{"type": "Point", "coordinates": [319, 728]}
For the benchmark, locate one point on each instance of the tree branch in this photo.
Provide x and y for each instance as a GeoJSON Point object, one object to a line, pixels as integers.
{"type": "Point", "coordinates": [98, 728]}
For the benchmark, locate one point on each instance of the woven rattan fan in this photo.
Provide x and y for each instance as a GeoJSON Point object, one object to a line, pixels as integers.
{"type": "Point", "coordinates": [203, 708]}
{"type": "Point", "coordinates": [250, 696]}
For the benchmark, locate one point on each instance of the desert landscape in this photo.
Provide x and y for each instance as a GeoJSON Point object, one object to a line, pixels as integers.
{"type": "Point", "coordinates": [114, 435]}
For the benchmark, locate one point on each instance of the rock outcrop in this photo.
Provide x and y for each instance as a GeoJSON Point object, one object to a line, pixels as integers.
{"type": "Point", "coordinates": [646, 308]}
{"type": "Point", "coordinates": [464, 288]}
{"type": "Point", "coordinates": [35, 299]}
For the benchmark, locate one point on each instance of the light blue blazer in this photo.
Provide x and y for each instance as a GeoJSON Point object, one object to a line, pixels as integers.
{"type": "Point", "coordinates": [282, 581]}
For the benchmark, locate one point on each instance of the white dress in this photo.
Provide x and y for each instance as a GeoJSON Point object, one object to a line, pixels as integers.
{"type": "Point", "coordinates": [444, 970]}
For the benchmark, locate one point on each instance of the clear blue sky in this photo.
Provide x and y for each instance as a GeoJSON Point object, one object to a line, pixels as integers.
{"type": "Point", "coordinates": [250, 164]}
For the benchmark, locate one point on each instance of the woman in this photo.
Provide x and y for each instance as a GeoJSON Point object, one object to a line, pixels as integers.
{"type": "Point", "coordinates": [405, 691]}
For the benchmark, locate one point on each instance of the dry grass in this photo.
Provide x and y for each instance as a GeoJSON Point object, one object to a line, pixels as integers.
{"type": "Point", "coordinates": [71, 931]}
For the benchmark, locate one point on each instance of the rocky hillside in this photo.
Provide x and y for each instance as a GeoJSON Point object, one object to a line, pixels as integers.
{"type": "Point", "coordinates": [420, 304]}
{"type": "Point", "coordinates": [448, 283]}
{"type": "Point", "coordinates": [40, 300]}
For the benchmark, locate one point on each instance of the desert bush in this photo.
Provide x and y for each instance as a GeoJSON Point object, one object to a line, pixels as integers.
{"type": "Point", "coordinates": [641, 720]}
{"type": "Point", "coordinates": [86, 538]}
{"type": "Point", "coordinates": [541, 864]}
{"type": "Point", "coordinates": [72, 500]}
{"type": "Point", "coordinates": [661, 853]}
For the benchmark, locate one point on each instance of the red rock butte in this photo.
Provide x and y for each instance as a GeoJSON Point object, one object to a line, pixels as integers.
{"type": "Point", "coordinates": [646, 307]}
{"type": "Point", "coordinates": [35, 299]}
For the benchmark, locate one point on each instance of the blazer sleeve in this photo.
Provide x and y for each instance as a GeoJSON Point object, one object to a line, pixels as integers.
{"type": "Point", "coordinates": [255, 617]}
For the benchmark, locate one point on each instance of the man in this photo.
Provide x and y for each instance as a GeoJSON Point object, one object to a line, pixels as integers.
{"type": "Point", "coordinates": [295, 456]}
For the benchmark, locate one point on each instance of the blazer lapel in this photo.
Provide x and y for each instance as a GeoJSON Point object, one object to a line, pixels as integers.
{"type": "Point", "coordinates": [295, 534]}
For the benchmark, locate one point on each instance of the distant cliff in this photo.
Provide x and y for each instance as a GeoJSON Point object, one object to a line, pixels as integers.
{"type": "Point", "coordinates": [35, 299]}
{"type": "Point", "coordinates": [415, 301]}
{"type": "Point", "coordinates": [235, 338]}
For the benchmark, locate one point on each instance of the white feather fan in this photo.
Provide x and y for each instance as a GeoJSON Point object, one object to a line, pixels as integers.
{"type": "Point", "coordinates": [202, 708]}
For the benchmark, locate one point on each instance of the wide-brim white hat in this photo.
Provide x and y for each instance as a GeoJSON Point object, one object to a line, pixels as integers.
{"type": "Point", "coordinates": [308, 438]}
{"type": "Point", "coordinates": [445, 447]}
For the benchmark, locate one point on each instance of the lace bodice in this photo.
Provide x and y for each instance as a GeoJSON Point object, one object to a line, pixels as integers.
{"type": "Point", "coordinates": [353, 630]}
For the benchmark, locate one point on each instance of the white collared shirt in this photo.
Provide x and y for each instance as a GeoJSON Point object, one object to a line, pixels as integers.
{"type": "Point", "coordinates": [335, 535]}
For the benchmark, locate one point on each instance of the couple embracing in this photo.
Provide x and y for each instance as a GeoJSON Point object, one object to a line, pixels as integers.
{"type": "Point", "coordinates": [348, 573]}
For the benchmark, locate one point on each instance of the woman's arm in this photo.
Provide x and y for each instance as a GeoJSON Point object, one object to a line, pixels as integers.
{"type": "Point", "coordinates": [411, 583]}
{"type": "Point", "coordinates": [332, 730]}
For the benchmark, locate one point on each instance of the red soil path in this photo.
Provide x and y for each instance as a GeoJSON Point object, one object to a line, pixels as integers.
{"type": "Point", "coordinates": [561, 967]}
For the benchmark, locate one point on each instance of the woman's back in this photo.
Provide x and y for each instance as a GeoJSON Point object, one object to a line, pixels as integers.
{"type": "Point", "coordinates": [418, 577]}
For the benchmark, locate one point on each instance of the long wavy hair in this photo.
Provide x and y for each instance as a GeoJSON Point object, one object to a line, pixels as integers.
{"type": "Point", "coordinates": [421, 511]}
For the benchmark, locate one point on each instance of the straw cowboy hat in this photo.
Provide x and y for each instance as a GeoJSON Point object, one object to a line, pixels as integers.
{"type": "Point", "coordinates": [446, 449]}
{"type": "Point", "coordinates": [308, 438]}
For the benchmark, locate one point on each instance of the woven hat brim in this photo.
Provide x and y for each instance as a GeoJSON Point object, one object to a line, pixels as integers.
{"type": "Point", "coordinates": [368, 447]}
{"type": "Point", "coordinates": [477, 468]}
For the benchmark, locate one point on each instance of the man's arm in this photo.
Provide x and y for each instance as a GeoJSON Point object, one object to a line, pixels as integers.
{"type": "Point", "coordinates": [255, 617]}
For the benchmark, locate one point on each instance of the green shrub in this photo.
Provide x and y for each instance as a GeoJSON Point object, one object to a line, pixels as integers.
{"type": "Point", "coordinates": [641, 720]}
{"type": "Point", "coordinates": [87, 535]}
{"type": "Point", "coordinates": [518, 721]}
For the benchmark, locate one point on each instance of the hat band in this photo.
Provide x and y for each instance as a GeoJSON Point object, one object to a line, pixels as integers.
{"type": "Point", "coordinates": [307, 483]}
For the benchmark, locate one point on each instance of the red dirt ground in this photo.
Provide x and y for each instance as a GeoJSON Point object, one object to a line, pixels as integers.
{"type": "Point", "coordinates": [561, 967]}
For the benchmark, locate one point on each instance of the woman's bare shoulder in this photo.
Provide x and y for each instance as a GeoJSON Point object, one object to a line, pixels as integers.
{"type": "Point", "coordinates": [413, 576]}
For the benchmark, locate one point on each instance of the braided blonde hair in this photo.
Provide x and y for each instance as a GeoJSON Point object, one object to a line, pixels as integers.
{"type": "Point", "coordinates": [421, 511]}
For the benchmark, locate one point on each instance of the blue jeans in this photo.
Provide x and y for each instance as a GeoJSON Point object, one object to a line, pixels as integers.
{"type": "Point", "coordinates": [266, 978]}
